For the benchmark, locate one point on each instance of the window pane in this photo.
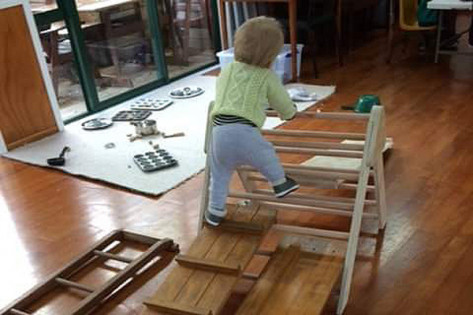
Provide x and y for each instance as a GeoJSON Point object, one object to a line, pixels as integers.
{"type": "Point", "coordinates": [186, 28]}
{"type": "Point", "coordinates": [59, 58]}
{"type": "Point", "coordinates": [118, 43]}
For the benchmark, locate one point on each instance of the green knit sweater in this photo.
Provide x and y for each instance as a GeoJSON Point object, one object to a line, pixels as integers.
{"type": "Point", "coordinates": [246, 91]}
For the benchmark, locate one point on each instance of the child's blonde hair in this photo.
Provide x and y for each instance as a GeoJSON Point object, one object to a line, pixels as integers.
{"type": "Point", "coordinates": [258, 41]}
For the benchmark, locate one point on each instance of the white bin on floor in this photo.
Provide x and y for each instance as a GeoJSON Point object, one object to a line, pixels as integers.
{"type": "Point", "coordinates": [282, 64]}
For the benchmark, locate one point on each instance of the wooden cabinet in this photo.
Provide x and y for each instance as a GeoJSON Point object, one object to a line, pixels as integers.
{"type": "Point", "coordinates": [28, 106]}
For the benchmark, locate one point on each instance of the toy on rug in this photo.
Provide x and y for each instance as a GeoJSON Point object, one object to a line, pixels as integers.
{"type": "Point", "coordinates": [151, 104]}
{"type": "Point", "coordinates": [97, 123]}
{"type": "Point", "coordinates": [186, 92]}
{"type": "Point", "coordinates": [154, 160]}
{"type": "Point", "coordinates": [300, 94]}
{"type": "Point", "coordinates": [131, 115]}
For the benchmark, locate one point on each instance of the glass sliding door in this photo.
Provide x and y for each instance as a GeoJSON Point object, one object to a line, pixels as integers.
{"type": "Point", "coordinates": [103, 52]}
{"type": "Point", "coordinates": [59, 57]}
{"type": "Point", "coordinates": [119, 45]}
{"type": "Point", "coordinates": [187, 31]}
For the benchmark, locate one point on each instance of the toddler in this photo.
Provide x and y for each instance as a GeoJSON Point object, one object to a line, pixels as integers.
{"type": "Point", "coordinates": [244, 90]}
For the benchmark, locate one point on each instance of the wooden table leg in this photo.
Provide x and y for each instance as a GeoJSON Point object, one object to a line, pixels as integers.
{"type": "Point", "coordinates": [223, 24]}
{"type": "Point", "coordinates": [293, 35]}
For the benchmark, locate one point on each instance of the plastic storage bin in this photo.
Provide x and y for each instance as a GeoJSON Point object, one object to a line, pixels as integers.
{"type": "Point", "coordinates": [282, 64]}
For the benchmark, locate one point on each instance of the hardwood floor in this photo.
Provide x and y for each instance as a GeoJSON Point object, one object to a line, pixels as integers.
{"type": "Point", "coordinates": [423, 265]}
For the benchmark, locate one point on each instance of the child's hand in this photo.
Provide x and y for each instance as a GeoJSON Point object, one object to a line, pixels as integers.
{"type": "Point", "coordinates": [295, 113]}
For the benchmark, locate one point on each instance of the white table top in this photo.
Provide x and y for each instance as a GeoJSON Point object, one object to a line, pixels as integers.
{"type": "Point", "coordinates": [450, 5]}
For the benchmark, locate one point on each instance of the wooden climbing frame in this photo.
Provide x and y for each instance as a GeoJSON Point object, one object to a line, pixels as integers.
{"type": "Point", "coordinates": [100, 252]}
{"type": "Point", "coordinates": [246, 248]}
{"type": "Point", "coordinates": [369, 152]}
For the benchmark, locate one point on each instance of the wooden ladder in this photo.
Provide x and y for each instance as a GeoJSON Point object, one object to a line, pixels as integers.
{"type": "Point", "coordinates": [101, 251]}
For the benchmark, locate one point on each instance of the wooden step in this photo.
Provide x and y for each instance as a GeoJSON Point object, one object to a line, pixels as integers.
{"type": "Point", "coordinates": [295, 282]}
{"type": "Point", "coordinates": [189, 287]}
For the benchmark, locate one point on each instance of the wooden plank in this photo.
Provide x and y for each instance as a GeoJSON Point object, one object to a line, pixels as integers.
{"type": "Point", "coordinates": [222, 285]}
{"type": "Point", "coordinates": [306, 287]}
{"type": "Point", "coordinates": [25, 109]}
{"type": "Point", "coordinates": [256, 266]}
{"type": "Point", "coordinates": [241, 227]}
{"type": "Point", "coordinates": [207, 264]}
{"type": "Point", "coordinates": [210, 289]}
{"type": "Point", "coordinates": [177, 308]}
{"type": "Point", "coordinates": [198, 282]}
{"type": "Point", "coordinates": [179, 276]}
{"type": "Point", "coordinates": [260, 293]}
{"type": "Point", "coordinates": [314, 134]}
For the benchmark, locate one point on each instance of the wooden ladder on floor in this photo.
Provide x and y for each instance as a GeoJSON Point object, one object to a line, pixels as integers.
{"type": "Point", "coordinates": [205, 278]}
{"type": "Point", "coordinates": [100, 252]}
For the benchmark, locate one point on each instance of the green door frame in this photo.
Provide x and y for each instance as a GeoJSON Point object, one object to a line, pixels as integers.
{"type": "Point", "coordinates": [67, 12]}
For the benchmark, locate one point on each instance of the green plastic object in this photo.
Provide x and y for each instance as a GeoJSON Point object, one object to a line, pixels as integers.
{"type": "Point", "coordinates": [366, 102]}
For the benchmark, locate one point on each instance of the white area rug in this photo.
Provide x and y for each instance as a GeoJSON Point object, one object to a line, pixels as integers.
{"type": "Point", "coordinates": [89, 158]}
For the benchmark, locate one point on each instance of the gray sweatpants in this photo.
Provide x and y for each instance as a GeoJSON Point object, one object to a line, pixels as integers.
{"type": "Point", "coordinates": [234, 145]}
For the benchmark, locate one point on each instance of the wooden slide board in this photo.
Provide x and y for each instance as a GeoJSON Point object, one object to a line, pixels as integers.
{"type": "Point", "coordinates": [195, 290]}
{"type": "Point", "coordinates": [27, 104]}
{"type": "Point", "coordinates": [295, 282]}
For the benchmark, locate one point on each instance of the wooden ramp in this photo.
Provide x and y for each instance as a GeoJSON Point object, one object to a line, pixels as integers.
{"type": "Point", "coordinates": [207, 273]}
{"type": "Point", "coordinates": [295, 282]}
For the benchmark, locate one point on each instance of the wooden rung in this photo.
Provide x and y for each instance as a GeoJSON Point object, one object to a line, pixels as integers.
{"type": "Point", "coordinates": [345, 213]}
{"type": "Point", "coordinates": [351, 186]}
{"type": "Point", "coordinates": [208, 264]}
{"type": "Point", "coordinates": [311, 231]}
{"type": "Point", "coordinates": [342, 116]}
{"type": "Point", "coordinates": [319, 145]}
{"type": "Point", "coordinates": [324, 115]}
{"type": "Point", "coordinates": [327, 183]}
{"type": "Point", "coordinates": [292, 200]}
{"type": "Point", "coordinates": [273, 113]}
{"type": "Point", "coordinates": [320, 169]}
{"type": "Point", "coordinates": [176, 308]}
{"type": "Point", "coordinates": [321, 152]}
{"type": "Point", "coordinates": [18, 312]}
{"type": "Point", "coordinates": [74, 285]}
{"type": "Point", "coordinates": [350, 201]}
{"type": "Point", "coordinates": [307, 173]}
{"type": "Point", "coordinates": [140, 238]}
{"type": "Point", "coordinates": [113, 256]}
{"type": "Point", "coordinates": [314, 134]}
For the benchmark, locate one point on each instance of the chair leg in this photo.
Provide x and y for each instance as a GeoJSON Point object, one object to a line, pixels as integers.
{"type": "Point", "coordinates": [312, 44]}
{"type": "Point", "coordinates": [337, 39]}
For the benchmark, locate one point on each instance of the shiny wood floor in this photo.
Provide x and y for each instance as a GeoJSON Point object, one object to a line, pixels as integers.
{"type": "Point", "coordinates": [424, 264]}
